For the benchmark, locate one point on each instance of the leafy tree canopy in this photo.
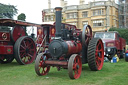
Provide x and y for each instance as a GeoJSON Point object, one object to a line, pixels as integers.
{"type": "Point", "coordinates": [7, 11]}
{"type": "Point", "coordinates": [123, 32]}
{"type": "Point", "coordinates": [22, 17]}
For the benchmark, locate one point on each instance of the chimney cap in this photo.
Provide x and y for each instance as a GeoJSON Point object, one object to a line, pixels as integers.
{"type": "Point", "coordinates": [58, 8]}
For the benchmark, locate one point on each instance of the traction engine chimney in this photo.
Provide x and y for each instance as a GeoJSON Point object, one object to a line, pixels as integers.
{"type": "Point", "coordinates": [58, 21]}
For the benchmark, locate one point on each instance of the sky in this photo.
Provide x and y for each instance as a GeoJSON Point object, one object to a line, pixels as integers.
{"type": "Point", "coordinates": [33, 8]}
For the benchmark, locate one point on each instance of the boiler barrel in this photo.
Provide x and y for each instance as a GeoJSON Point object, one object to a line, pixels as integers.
{"type": "Point", "coordinates": [57, 48]}
{"type": "Point", "coordinates": [73, 47]}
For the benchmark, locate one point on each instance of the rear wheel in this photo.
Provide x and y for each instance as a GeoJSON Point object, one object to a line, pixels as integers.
{"type": "Point", "coordinates": [95, 54]}
{"type": "Point", "coordinates": [25, 50]}
{"type": "Point", "coordinates": [6, 59]}
{"type": "Point", "coordinates": [86, 37]}
{"type": "Point", "coordinates": [74, 66]}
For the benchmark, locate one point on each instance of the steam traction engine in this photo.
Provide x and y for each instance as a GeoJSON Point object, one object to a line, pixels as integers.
{"type": "Point", "coordinates": [70, 48]}
{"type": "Point", "coordinates": [15, 44]}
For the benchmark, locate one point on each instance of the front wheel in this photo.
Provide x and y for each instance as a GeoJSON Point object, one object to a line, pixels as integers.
{"type": "Point", "coordinates": [40, 67]}
{"type": "Point", "coordinates": [95, 54]}
{"type": "Point", "coordinates": [74, 66]}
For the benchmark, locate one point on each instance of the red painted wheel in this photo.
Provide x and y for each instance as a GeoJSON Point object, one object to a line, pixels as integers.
{"type": "Point", "coordinates": [25, 50]}
{"type": "Point", "coordinates": [40, 67]}
{"type": "Point", "coordinates": [17, 31]}
{"type": "Point", "coordinates": [95, 54]}
{"type": "Point", "coordinates": [74, 66]}
{"type": "Point", "coordinates": [6, 59]}
{"type": "Point", "coordinates": [86, 35]}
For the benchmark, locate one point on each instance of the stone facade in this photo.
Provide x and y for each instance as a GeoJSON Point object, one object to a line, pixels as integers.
{"type": "Point", "coordinates": [101, 15]}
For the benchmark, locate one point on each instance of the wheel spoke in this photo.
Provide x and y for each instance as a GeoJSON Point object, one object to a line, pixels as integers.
{"type": "Point", "coordinates": [74, 66]}
{"type": "Point", "coordinates": [98, 44]}
{"type": "Point", "coordinates": [39, 68]}
{"type": "Point", "coordinates": [30, 45]}
{"type": "Point", "coordinates": [24, 59]}
{"type": "Point", "coordinates": [27, 42]}
{"type": "Point", "coordinates": [30, 55]}
{"type": "Point", "coordinates": [78, 61]}
{"type": "Point", "coordinates": [75, 61]}
{"type": "Point", "coordinates": [43, 71]}
{"type": "Point", "coordinates": [88, 35]}
{"type": "Point", "coordinates": [21, 51]}
{"type": "Point", "coordinates": [97, 63]}
{"type": "Point", "coordinates": [100, 49]}
{"type": "Point", "coordinates": [75, 72]}
{"type": "Point", "coordinates": [23, 47]}
{"type": "Point", "coordinates": [23, 54]}
{"type": "Point", "coordinates": [24, 43]}
{"type": "Point", "coordinates": [99, 58]}
{"type": "Point", "coordinates": [31, 50]}
{"type": "Point", "coordinates": [87, 30]}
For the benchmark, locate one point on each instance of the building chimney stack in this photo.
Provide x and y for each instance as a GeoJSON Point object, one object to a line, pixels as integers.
{"type": "Point", "coordinates": [81, 2]}
{"type": "Point", "coordinates": [65, 3]}
{"type": "Point", "coordinates": [49, 4]}
{"type": "Point", "coordinates": [62, 3]}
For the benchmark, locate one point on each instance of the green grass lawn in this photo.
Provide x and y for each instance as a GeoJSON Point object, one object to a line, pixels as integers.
{"type": "Point", "coordinates": [111, 74]}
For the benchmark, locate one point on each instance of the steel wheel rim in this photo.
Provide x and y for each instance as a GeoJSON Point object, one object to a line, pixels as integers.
{"type": "Point", "coordinates": [86, 34]}
{"type": "Point", "coordinates": [27, 51]}
{"type": "Point", "coordinates": [75, 66]}
{"type": "Point", "coordinates": [40, 67]}
{"type": "Point", "coordinates": [99, 55]}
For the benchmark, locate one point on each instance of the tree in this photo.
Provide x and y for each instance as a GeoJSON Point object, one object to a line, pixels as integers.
{"type": "Point", "coordinates": [123, 32]}
{"type": "Point", "coordinates": [22, 17]}
{"type": "Point", "coordinates": [7, 11]}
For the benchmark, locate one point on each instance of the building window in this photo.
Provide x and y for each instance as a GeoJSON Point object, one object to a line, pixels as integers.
{"type": "Point", "coordinates": [48, 18]}
{"type": "Point", "coordinates": [71, 7]}
{"type": "Point", "coordinates": [51, 18]}
{"type": "Point", "coordinates": [97, 23]}
{"type": "Point", "coordinates": [98, 12]}
{"type": "Point", "coordinates": [85, 14]}
{"type": "Point", "coordinates": [99, 3]}
{"type": "Point", "coordinates": [45, 18]}
{"type": "Point", "coordinates": [85, 23]}
{"type": "Point", "coordinates": [75, 15]}
{"type": "Point", "coordinates": [71, 15]}
{"type": "Point", "coordinates": [72, 23]}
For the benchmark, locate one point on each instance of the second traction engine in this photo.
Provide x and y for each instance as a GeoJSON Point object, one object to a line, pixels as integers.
{"type": "Point", "coordinates": [69, 49]}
